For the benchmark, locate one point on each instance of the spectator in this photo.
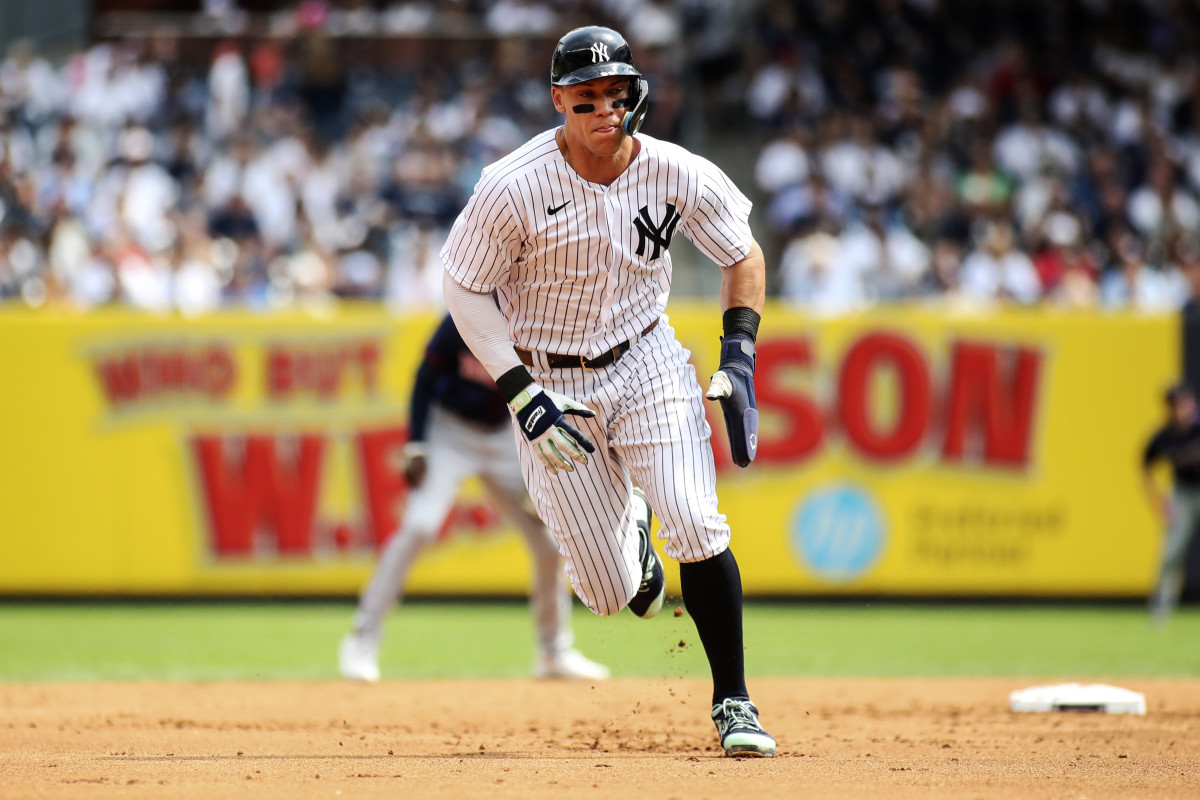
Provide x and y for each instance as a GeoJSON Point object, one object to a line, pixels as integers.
{"type": "Point", "coordinates": [196, 286]}
{"type": "Point", "coordinates": [1160, 208]}
{"type": "Point", "coordinates": [148, 194]}
{"type": "Point", "coordinates": [415, 271]}
{"type": "Point", "coordinates": [813, 275]}
{"type": "Point", "coordinates": [228, 92]}
{"type": "Point", "coordinates": [1133, 283]}
{"type": "Point", "coordinates": [943, 279]}
{"type": "Point", "coordinates": [1028, 146]}
{"type": "Point", "coordinates": [982, 189]}
{"type": "Point", "coordinates": [887, 260]}
{"type": "Point", "coordinates": [1067, 272]}
{"type": "Point", "coordinates": [783, 161]}
{"type": "Point", "coordinates": [297, 145]}
{"type": "Point", "coordinates": [997, 271]}
{"type": "Point", "coordinates": [520, 17]}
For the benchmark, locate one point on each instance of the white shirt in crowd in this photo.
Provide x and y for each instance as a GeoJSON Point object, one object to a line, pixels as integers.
{"type": "Point", "coordinates": [1143, 289]}
{"type": "Point", "coordinates": [1024, 150]}
{"type": "Point", "coordinates": [811, 276]}
{"type": "Point", "coordinates": [414, 281]}
{"type": "Point", "coordinates": [987, 276]}
{"type": "Point", "coordinates": [228, 95]}
{"type": "Point", "coordinates": [1148, 215]}
{"type": "Point", "coordinates": [871, 173]}
{"type": "Point", "coordinates": [781, 163]}
{"type": "Point", "coordinates": [838, 274]}
{"type": "Point", "coordinates": [149, 195]}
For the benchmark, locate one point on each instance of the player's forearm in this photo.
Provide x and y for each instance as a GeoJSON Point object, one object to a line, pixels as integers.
{"type": "Point", "coordinates": [743, 285]}
{"type": "Point", "coordinates": [483, 329]}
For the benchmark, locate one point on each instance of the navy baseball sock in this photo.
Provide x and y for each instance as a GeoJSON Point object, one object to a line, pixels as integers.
{"type": "Point", "coordinates": [712, 592]}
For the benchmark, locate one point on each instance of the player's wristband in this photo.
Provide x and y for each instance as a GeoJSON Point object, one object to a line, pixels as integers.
{"type": "Point", "coordinates": [414, 449]}
{"type": "Point", "coordinates": [512, 382]}
{"type": "Point", "coordinates": [741, 320]}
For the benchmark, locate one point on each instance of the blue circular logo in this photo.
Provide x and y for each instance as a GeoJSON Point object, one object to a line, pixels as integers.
{"type": "Point", "coordinates": [838, 532]}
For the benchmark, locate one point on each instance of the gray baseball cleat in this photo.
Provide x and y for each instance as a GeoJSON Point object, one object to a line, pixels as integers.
{"type": "Point", "coordinates": [650, 595]}
{"type": "Point", "coordinates": [741, 734]}
{"type": "Point", "coordinates": [569, 664]}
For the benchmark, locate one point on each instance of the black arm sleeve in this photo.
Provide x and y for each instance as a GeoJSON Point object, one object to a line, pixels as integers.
{"type": "Point", "coordinates": [1153, 449]}
{"type": "Point", "coordinates": [440, 355]}
{"type": "Point", "coordinates": [422, 399]}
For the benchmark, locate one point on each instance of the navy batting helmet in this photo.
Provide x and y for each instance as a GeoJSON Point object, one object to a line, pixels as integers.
{"type": "Point", "coordinates": [585, 54]}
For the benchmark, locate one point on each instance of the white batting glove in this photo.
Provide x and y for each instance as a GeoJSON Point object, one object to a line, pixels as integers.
{"type": "Point", "coordinates": [719, 387]}
{"type": "Point", "coordinates": [541, 416]}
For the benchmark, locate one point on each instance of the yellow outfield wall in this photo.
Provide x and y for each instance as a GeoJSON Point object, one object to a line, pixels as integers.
{"type": "Point", "coordinates": [901, 451]}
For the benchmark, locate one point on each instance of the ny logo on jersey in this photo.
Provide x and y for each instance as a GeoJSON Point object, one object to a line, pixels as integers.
{"type": "Point", "coordinates": [659, 235]}
{"type": "Point", "coordinates": [599, 52]}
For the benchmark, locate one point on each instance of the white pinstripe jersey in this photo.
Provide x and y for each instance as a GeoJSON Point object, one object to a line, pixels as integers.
{"type": "Point", "coordinates": [581, 267]}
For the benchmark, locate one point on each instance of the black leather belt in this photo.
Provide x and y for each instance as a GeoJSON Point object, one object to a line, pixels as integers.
{"type": "Point", "coordinates": [563, 361]}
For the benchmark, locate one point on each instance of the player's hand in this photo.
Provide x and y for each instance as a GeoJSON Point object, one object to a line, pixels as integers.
{"type": "Point", "coordinates": [415, 465]}
{"type": "Point", "coordinates": [733, 386]}
{"type": "Point", "coordinates": [541, 415]}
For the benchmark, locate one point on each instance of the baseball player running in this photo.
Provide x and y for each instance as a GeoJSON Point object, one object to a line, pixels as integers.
{"type": "Point", "coordinates": [1178, 443]}
{"type": "Point", "coordinates": [571, 231]}
{"type": "Point", "coordinates": [457, 429]}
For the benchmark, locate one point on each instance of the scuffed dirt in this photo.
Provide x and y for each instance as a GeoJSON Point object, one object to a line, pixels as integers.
{"type": "Point", "coordinates": [627, 738]}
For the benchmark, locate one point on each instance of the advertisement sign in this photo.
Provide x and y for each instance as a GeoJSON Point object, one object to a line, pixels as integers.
{"type": "Point", "coordinates": [901, 452]}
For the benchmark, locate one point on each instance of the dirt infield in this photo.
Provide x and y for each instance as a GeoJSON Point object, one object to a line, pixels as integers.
{"type": "Point", "coordinates": [628, 738]}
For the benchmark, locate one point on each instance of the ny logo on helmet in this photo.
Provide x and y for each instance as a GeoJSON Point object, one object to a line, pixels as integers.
{"type": "Point", "coordinates": [599, 52]}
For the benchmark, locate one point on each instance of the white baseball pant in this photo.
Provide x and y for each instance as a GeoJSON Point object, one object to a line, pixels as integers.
{"type": "Point", "coordinates": [650, 429]}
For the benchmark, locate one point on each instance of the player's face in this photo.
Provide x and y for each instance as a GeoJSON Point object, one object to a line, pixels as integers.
{"type": "Point", "coordinates": [1184, 409]}
{"type": "Point", "coordinates": [598, 128]}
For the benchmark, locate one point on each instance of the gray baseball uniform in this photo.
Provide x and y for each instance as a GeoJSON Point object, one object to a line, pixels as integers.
{"type": "Point", "coordinates": [458, 426]}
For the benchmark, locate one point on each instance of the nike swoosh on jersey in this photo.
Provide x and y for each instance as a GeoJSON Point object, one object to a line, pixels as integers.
{"type": "Point", "coordinates": [552, 210]}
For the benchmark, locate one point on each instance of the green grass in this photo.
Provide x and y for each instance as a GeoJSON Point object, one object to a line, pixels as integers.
{"type": "Point", "coordinates": [274, 641]}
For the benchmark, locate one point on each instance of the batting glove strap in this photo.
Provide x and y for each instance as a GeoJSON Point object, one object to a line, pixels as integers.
{"type": "Point", "coordinates": [732, 386]}
{"type": "Point", "coordinates": [541, 416]}
{"type": "Point", "coordinates": [737, 352]}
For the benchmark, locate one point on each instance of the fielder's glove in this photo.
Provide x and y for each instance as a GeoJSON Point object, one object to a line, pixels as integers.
{"type": "Point", "coordinates": [733, 385]}
{"type": "Point", "coordinates": [541, 417]}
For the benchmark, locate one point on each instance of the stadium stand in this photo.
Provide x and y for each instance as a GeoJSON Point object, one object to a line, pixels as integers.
{"type": "Point", "coordinates": [264, 155]}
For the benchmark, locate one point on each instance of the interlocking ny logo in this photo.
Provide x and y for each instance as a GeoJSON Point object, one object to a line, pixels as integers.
{"type": "Point", "coordinates": [599, 52]}
{"type": "Point", "coordinates": [660, 235]}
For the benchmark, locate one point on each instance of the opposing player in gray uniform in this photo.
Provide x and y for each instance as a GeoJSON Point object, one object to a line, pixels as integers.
{"type": "Point", "coordinates": [1177, 443]}
{"type": "Point", "coordinates": [458, 429]}
{"type": "Point", "coordinates": [571, 232]}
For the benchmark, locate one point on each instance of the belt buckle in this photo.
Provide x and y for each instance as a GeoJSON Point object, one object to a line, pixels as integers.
{"type": "Point", "coordinates": [583, 363]}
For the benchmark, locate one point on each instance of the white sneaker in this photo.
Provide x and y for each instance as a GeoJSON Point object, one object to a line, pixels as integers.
{"type": "Point", "coordinates": [569, 665]}
{"type": "Point", "coordinates": [358, 658]}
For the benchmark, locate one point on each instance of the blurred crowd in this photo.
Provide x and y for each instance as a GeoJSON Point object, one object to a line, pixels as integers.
{"type": "Point", "coordinates": [1000, 151]}
{"type": "Point", "coordinates": [980, 153]}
